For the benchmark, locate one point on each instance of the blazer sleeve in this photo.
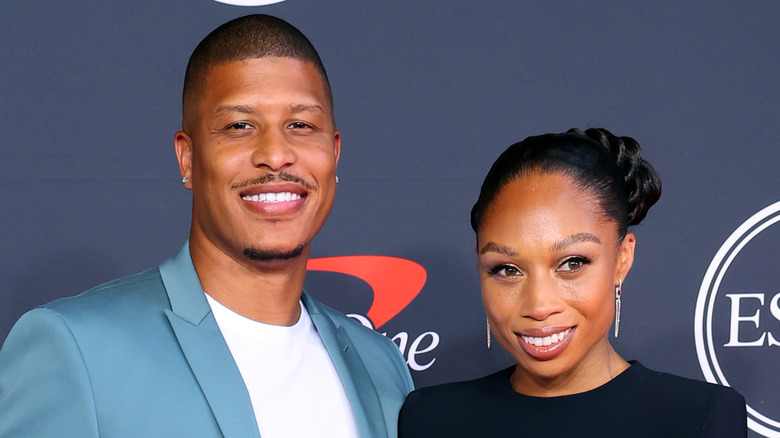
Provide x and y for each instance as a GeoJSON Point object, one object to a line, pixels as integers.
{"type": "Point", "coordinates": [44, 384]}
{"type": "Point", "coordinates": [728, 418]}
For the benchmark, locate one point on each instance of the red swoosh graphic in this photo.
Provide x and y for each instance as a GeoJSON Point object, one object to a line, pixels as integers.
{"type": "Point", "coordinates": [395, 281]}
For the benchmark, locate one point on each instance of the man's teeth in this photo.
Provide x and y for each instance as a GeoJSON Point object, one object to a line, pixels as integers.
{"type": "Point", "coordinates": [547, 340]}
{"type": "Point", "coordinates": [272, 197]}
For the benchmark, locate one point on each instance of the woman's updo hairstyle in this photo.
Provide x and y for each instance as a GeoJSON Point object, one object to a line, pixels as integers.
{"type": "Point", "coordinates": [610, 167]}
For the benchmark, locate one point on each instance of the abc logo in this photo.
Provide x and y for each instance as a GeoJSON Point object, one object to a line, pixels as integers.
{"type": "Point", "coordinates": [738, 318]}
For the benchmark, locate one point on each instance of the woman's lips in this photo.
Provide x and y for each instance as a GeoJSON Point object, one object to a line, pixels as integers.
{"type": "Point", "coordinates": [547, 343]}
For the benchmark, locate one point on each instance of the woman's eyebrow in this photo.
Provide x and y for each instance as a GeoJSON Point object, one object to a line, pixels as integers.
{"type": "Point", "coordinates": [573, 240]}
{"type": "Point", "coordinates": [501, 249]}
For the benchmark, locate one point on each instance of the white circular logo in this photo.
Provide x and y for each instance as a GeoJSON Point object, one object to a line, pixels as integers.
{"type": "Point", "coordinates": [737, 321]}
{"type": "Point", "coordinates": [248, 2]}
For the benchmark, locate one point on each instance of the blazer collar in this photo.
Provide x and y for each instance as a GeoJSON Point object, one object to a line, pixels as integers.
{"type": "Point", "coordinates": [185, 293]}
{"type": "Point", "coordinates": [360, 390]}
{"type": "Point", "coordinates": [205, 349]}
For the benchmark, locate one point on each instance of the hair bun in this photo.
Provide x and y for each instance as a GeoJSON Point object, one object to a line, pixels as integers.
{"type": "Point", "coordinates": [643, 185]}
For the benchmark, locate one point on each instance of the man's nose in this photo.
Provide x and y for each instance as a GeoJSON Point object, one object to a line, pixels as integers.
{"type": "Point", "coordinates": [273, 149]}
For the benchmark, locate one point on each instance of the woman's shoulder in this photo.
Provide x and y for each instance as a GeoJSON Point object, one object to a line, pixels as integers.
{"type": "Point", "coordinates": [674, 387]}
{"type": "Point", "coordinates": [454, 409]}
{"type": "Point", "coordinates": [685, 404]}
{"type": "Point", "coordinates": [489, 384]}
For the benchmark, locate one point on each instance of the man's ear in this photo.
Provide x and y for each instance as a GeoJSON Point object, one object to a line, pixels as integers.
{"type": "Point", "coordinates": [183, 144]}
{"type": "Point", "coordinates": [337, 145]}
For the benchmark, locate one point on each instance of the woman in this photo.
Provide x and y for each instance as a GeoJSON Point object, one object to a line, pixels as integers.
{"type": "Point", "coordinates": [553, 250]}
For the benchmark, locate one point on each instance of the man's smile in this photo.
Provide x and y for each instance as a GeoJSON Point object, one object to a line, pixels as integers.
{"type": "Point", "coordinates": [273, 197]}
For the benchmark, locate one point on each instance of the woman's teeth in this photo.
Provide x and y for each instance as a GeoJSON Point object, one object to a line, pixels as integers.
{"type": "Point", "coordinates": [547, 340]}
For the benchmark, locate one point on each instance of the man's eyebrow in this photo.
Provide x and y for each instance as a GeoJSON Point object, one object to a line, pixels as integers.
{"type": "Point", "coordinates": [243, 109]}
{"type": "Point", "coordinates": [296, 108]}
{"type": "Point", "coordinates": [573, 240]}
{"type": "Point", "coordinates": [501, 249]}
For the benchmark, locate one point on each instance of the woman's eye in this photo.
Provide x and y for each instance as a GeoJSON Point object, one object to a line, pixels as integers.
{"type": "Point", "coordinates": [573, 264]}
{"type": "Point", "coordinates": [505, 271]}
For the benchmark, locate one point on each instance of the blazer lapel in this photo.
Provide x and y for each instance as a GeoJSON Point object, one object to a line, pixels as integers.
{"type": "Point", "coordinates": [205, 349]}
{"type": "Point", "coordinates": [353, 374]}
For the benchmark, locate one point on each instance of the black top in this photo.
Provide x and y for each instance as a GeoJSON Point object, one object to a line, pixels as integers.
{"type": "Point", "coordinates": [637, 403]}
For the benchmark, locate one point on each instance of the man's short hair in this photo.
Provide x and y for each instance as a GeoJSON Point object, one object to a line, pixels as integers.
{"type": "Point", "coordinates": [249, 37]}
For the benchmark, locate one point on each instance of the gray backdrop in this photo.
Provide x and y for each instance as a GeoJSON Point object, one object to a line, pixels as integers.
{"type": "Point", "coordinates": [427, 94]}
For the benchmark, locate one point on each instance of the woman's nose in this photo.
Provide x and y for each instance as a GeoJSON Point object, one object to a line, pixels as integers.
{"type": "Point", "coordinates": [540, 298]}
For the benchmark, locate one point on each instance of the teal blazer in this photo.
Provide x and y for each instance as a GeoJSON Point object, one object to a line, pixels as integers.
{"type": "Point", "coordinates": [142, 356]}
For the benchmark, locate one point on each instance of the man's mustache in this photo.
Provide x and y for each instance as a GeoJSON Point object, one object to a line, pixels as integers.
{"type": "Point", "coordinates": [270, 177]}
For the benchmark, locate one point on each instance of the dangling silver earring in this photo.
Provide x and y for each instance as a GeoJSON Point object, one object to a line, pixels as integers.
{"type": "Point", "coordinates": [618, 291]}
{"type": "Point", "coordinates": [184, 180]}
{"type": "Point", "coordinates": [488, 332]}
{"type": "Point", "coordinates": [337, 179]}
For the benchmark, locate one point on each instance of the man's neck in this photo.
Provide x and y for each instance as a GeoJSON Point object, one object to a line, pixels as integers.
{"type": "Point", "coordinates": [263, 291]}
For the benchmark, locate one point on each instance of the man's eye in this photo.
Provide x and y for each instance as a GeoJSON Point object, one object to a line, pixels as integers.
{"type": "Point", "coordinates": [298, 125]}
{"type": "Point", "coordinates": [505, 271]}
{"type": "Point", "coordinates": [240, 125]}
{"type": "Point", "coordinates": [573, 264]}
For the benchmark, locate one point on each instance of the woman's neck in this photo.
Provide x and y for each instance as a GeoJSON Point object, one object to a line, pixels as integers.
{"type": "Point", "coordinates": [598, 367]}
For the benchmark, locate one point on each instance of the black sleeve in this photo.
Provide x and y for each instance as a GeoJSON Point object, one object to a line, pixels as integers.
{"type": "Point", "coordinates": [408, 418]}
{"type": "Point", "coordinates": [728, 418]}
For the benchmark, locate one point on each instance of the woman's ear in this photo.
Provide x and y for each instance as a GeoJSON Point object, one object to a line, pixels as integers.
{"type": "Point", "coordinates": [625, 257]}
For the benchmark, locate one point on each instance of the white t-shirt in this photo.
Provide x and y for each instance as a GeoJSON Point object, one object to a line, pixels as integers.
{"type": "Point", "coordinates": [291, 380]}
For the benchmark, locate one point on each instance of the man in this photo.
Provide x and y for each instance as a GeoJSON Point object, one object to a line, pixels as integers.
{"type": "Point", "coordinates": [219, 340]}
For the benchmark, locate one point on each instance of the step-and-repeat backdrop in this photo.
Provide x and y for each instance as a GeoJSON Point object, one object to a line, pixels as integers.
{"type": "Point", "coordinates": [427, 94]}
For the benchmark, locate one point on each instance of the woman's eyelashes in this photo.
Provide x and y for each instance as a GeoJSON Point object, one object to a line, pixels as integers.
{"type": "Point", "coordinates": [504, 270]}
{"type": "Point", "coordinates": [569, 265]}
{"type": "Point", "coordinates": [573, 264]}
